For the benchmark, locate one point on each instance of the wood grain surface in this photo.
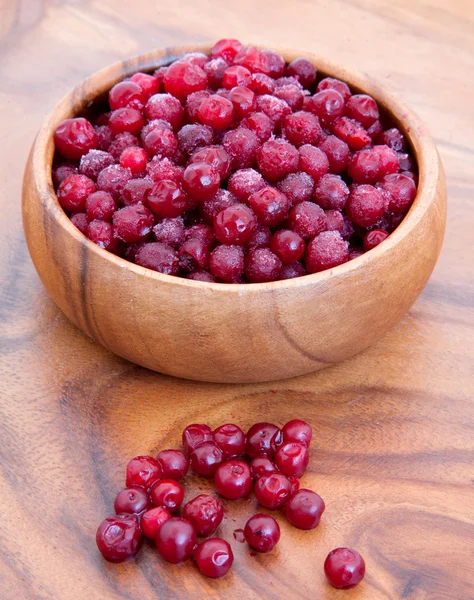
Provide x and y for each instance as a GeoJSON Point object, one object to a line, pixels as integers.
{"type": "Point", "coordinates": [393, 454]}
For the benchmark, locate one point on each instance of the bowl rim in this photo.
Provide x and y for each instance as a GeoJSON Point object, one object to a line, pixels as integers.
{"type": "Point", "coordinates": [422, 146]}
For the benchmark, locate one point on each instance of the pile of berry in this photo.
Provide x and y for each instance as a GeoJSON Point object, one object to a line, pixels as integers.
{"type": "Point", "coordinates": [234, 167]}
{"type": "Point", "coordinates": [267, 459]}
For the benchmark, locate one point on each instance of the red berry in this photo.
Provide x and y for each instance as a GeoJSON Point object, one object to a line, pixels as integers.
{"type": "Point", "coordinates": [100, 205]}
{"type": "Point", "coordinates": [230, 439]}
{"type": "Point", "coordinates": [135, 191]}
{"type": "Point", "coordinates": [113, 179]}
{"type": "Point", "coordinates": [367, 166]}
{"type": "Point", "coordinates": [158, 257]}
{"type": "Point", "coordinates": [262, 532]}
{"type": "Point", "coordinates": [304, 509]}
{"type": "Point", "coordinates": [148, 84]}
{"type": "Point", "coordinates": [233, 479]}
{"type": "Point", "coordinates": [162, 168]}
{"type": "Point", "coordinates": [344, 568]}
{"type": "Point", "coordinates": [276, 109]}
{"type": "Point", "coordinates": [325, 251]}
{"type": "Point", "coordinates": [261, 125]}
{"type": "Point", "coordinates": [261, 238]}
{"type": "Point", "coordinates": [75, 137]}
{"type": "Point", "coordinates": [292, 95]}
{"type": "Point", "coordinates": [295, 483]}
{"type": "Point", "coordinates": [210, 208]}
{"type": "Point", "coordinates": [235, 224]}
{"type": "Point", "coordinates": [334, 221]}
{"type": "Point", "coordinates": [303, 70]}
{"type": "Point", "coordinates": [132, 501]}
{"type": "Point", "coordinates": [262, 465]}
{"type": "Point", "coordinates": [202, 276]}
{"type": "Point", "coordinates": [227, 263]}
{"type": "Point", "coordinates": [374, 238]}
{"type": "Point", "coordinates": [201, 181]}
{"type": "Point", "coordinates": [102, 234]}
{"type": "Point", "coordinates": [255, 60]}
{"type": "Point", "coordinates": [176, 540]}
{"type": "Point", "coordinates": [277, 158]}
{"type": "Point", "coordinates": [73, 192]}
{"type": "Point", "coordinates": [152, 520]}
{"type": "Point", "coordinates": [313, 161]}
{"type": "Point", "coordinates": [126, 119]}
{"type": "Point", "coordinates": [270, 206]}
{"type": "Point", "coordinates": [119, 538]}
{"type": "Point", "coordinates": [245, 182]}
{"type": "Point", "coordinates": [241, 145]}
{"type": "Point", "coordinates": [193, 102]}
{"type": "Point", "coordinates": [214, 156]}
{"type": "Point", "coordinates": [297, 187]}
{"type": "Point", "coordinates": [214, 557]}
{"type": "Point", "coordinates": [133, 223]}
{"type": "Point", "coordinates": [134, 159]}
{"type": "Point", "coordinates": [167, 199]}
{"type": "Point", "coordinates": [80, 221]}
{"type": "Point", "coordinates": [351, 131]}
{"type": "Point", "coordinates": [93, 163]}
{"type": "Point", "coordinates": [307, 219]}
{"type": "Point", "coordinates": [167, 493]}
{"type": "Point", "coordinates": [194, 435]}
{"type": "Point", "coordinates": [170, 232]}
{"type": "Point", "coordinates": [215, 70]}
{"type": "Point", "coordinates": [235, 76]}
{"type": "Point", "coordinates": [243, 101]}
{"type": "Point", "coordinates": [366, 205]}
{"type": "Point", "coordinates": [302, 128]}
{"type": "Point", "coordinates": [126, 94]}
{"type": "Point", "coordinates": [194, 255]}
{"type": "Point", "coordinates": [226, 49]}
{"type": "Point", "coordinates": [297, 431]}
{"type": "Point", "coordinates": [183, 78]}
{"type": "Point", "coordinates": [276, 62]}
{"type": "Point", "coordinates": [331, 192]}
{"type": "Point", "coordinates": [174, 464]}
{"type": "Point", "coordinates": [394, 139]}
{"type": "Point", "coordinates": [216, 112]}
{"type": "Point", "coordinates": [165, 107]}
{"type": "Point", "coordinates": [262, 266]}
{"type": "Point", "coordinates": [292, 458]}
{"type": "Point", "coordinates": [337, 153]}
{"type": "Point", "coordinates": [287, 245]}
{"type": "Point", "coordinates": [261, 84]}
{"type": "Point", "coordinates": [206, 458]}
{"type": "Point", "coordinates": [328, 105]}
{"type": "Point", "coordinates": [290, 271]}
{"type": "Point", "coordinates": [263, 439]}
{"type": "Point", "coordinates": [143, 471]}
{"type": "Point", "coordinates": [401, 190]}
{"type": "Point", "coordinates": [122, 141]}
{"type": "Point", "coordinates": [104, 137]}
{"type": "Point", "coordinates": [329, 83]}
{"type": "Point", "coordinates": [61, 172]}
{"type": "Point", "coordinates": [362, 108]}
{"type": "Point", "coordinates": [272, 491]}
{"type": "Point", "coordinates": [161, 142]}
{"type": "Point", "coordinates": [205, 513]}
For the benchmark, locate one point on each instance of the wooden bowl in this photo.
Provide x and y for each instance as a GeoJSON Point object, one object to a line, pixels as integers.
{"type": "Point", "coordinates": [232, 333]}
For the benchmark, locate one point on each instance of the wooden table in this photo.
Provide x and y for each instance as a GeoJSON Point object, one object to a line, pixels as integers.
{"type": "Point", "coordinates": [394, 427]}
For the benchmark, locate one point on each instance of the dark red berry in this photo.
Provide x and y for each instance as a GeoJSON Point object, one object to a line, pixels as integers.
{"type": "Point", "coordinates": [113, 179]}
{"type": "Point", "coordinates": [313, 161]}
{"type": "Point", "coordinates": [80, 221]}
{"type": "Point", "coordinates": [62, 171]}
{"type": "Point", "coordinates": [261, 125]}
{"type": "Point", "coordinates": [262, 532]}
{"type": "Point", "coordinates": [292, 458]}
{"type": "Point", "coordinates": [291, 271]}
{"type": "Point", "coordinates": [215, 70]}
{"type": "Point", "coordinates": [223, 199]}
{"type": "Point", "coordinates": [329, 83]}
{"type": "Point", "coordinates": [126, 94]}
{"type": "Point", "coordinates": [158, 257]}
{"type": "Point", "coordinates": [73, 192]}
{"type": "Point", "coordinates": [293, 95]}
{"type": "Point", "coordinates": [302, 128]}
{"type": "Point", "coordinates": [170, 231]}
{"type": "Point", "coordinates": [262, 465]}
{"type": "Point", "coordinates": [227, 263]}
{"type": "Point", "coordinates": [272, 491]}
{"type": "Point", "coordinates": [132, 501]}
{"type": "Point", "coordinates": [235, 224]}
{"type": "Point", "coordinates": [176, 540]}
{"type": "Point", "coordinates": [214, 557]}
{"type": "Point", "coordinates": [94, 162]}
{"type": "Point", "coordinates": [277, 158]}
{"type": "Point", "coordinates": [331, 192]}
{"type": "Point", "coordinates": [287, 245]}
{"type": "Point", "coordinates": [230, 439]}
{"type": "Point", "coordinates": [263, 439]}
{"type": "Point", "coordinates": [334, 221]}
{"type": "Point", "coordinates": [233, 479]}
{"type": "Point", "coordinates": [351, 131]}
{"type": "Point", "coordinates": [243, 101]}
{"type": "Point", "coordinates": [75, 137]}
{"type": "Point", "coordinates": [135, 191]}
{"type": "Point", "coordinates": [366, 205]}
{"type": "Point", "coordinates": [201, 276]}
{"type": "Point", "coordinates": [162, 168]}
{"type": "Point", "coordinates": [126, 119]}
{"type": "Point", "coordinates": [142, 471]}
{"type": "Point", "coordinates": [394, 139]}
{"type": "Point", "coordinates": [297, 431]}
{"type": "Point", "coordinates": [304, 509]}
{"type": "Point", "coordinates": [104, 137]}
{"type": "Point", "coordinates": [344, 568]}
{"type": "Point", "coordinates": [297, 187]}
{"type": "Point", "coordinates": [276, 109]}
{"type": "Point", "coordinates": [167, 199]}
{"type": "Point", "coordinates": [307, 219]}
{"type": "Point", "coordinates": [174, 464]}
{"type": "Point", "coordinates": [102, 234]}
{"type": "Point", "coordinates": [262, 266]}
{"type": "Point", "coordinates": [362, 108]}
{"type": "Point", "coordinates": [276, 62]}
{"type": "Point", "coordinates": [167, 493]}
{"type": "Point", "coordinates": [303, 70]}
{"type": "Point", "coordinates": [214, 156]}
{"type": "Point", "coordinates": [337, 153]}
{"type": "Point", "coordinates": [269, 205]}
{"type": "Point", "coordinates": [194, 255]}
{"type": "Point", "coordinates": [122, 141]}
{"type": "Point", "coordinates": [328, 105]}
{"type": "Point", "coordinates": [226, 49]}
{"type": "Point", "coordinates": [201, 181]}
{"type": "Point", "coordinates": [241, 145]}
{"type": "Point", "coordinates": [152, 520]}
{"type": "Point", "coordinates": [325, 251]}
{"type": "Point", "coordinates": [205, 513]}
{"type": "Point", "coordinates": [119, 538]}
{"type": "Point", "coordinates": [205, 458]}
{"type": "Point", "coordinates": [374, 238]}
{"type": "Point", "coordinates": [194, 435]}
{"type": "Point", "coordinates": [183, 78]}
{"type": "Point", "coordinates": [401, 190]}
{"type": "Point", "coordinates": [245, 182]}
{"type": "Point", "coordinates": [133, 223]}
{"type": "Point", "coordinates": [261, 238]}
{"type": "Point", "coordinates": [261, 84]}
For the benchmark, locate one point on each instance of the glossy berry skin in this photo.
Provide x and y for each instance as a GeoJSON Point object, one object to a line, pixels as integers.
{"type": "Point", "coordinates": [277, 158]}
{"type": "Point", "coordinates": [325, 251]}
{"type": "Point", "coordinates": [259, 124]}
{"type": "Point", "coordinates": [313, 161]}
{"type": "Point", "coordinates": [205, 513]}
{"type": "Point", "coordinates": [329, 83]}
{"type": "Point", "coordinates": [233, 479]}
{"type": "Point", "coordinates": [216, 112]}
{"type": "Point", "coordinates": [134, 159]}
{"type": "Point", "coordinates": [243, 101]}
{"type": "Point", "coordinates": [214, 557]}
{"type": "Point", "coordinates": [102, 234]}
{"type": "Point", "coordinates": [328, 105]}
{"type": "Point", "coordinates": [119, 538]}
{"type": "Point", "coordinates": [269, 205]}
{"type": "Point", "coordinates": [167, 199]}
{"type": "Point", "coordinates": [331, 192]}
{"type": "Point", "coordinates": [297, 431]}
{"type": "Point", "coordinates": [263, 439]}
{"type": "Point", "coordinates": [148, 84]}
{"type": "Point", "coordinates": [174, 464]}
{"type": "Point", "coordinates": [235, 225]}
{"type": "Point", "coordinates": [362, 108]}
{"type": "Point", "coordinates": [206, 458]}
{"type": "Point", "coordinates": [287, 245]}
{"type": "Point", "coordinates": [73, 192]}
{"type": "Point", "coordinates": [262, 465]}
{"type": "Point", "coordinates": [241, 145]}
{"type": "Point", "coordinates": [262, 532]}
{"type": "Point", "coordinates": [230, 439]}
{"type": "Point", "coordinates": [167, 493]}
{"type": "Point", "coordinates": [227, 49]}
{"type": "Point", "coordinates": [194, 435]}
{"type": "Point", "coordinates": [272, 491]}
{"type": "Point", "coordinates": [176, 540]}
{"type": "Point", "coordinates": [304, 509]}
{"type": "Point", "coordinates": [126, 94]}
{"type": "Point", "coordinates": [133, 223]}
{"type": "Point", "coordinates": [373, 238]}
{"type": "Point", "coordinates": [201, 181]}
{"type": "Point", "coordinates": [75, 137]}
{"type": "Point", "coordinates": [344, 568]}
{"type": "Point", "coordinates": [183, 78]}
{"type": "Point", "coordinates": [143, 471]}
{"type": "Point", "coordinates": [337, 152]}
{"type": "Point", "coordinates": [236, 76]}
{"type": "Point", "coordinates": [100, 205]}
{"type": "Point", "coordinates": [351, 131]}
{"type": "Point", "coordinates": [401, 191]}
{"type": "Point", "coordinates": [292, 458]}
{"type": "Point", "coordinates": [152, 520]}
{"type": "Point", "coordinates": [131, 500]}
{"type": "Point", "coordinates": [302, 128]}
{"type": "Point", "coordinates": [126, 119]}
{"type": "Point", "coordinates": [214, 156]}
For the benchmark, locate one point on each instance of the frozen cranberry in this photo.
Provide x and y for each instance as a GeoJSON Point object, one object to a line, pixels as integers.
{"type": "Point", "coordinates": [80, 221]}
{"type": "Point", "coordinates": [297, 187]}
{"type": "Point", "coordinates": [304, 509]}
{"type": "Point", "coordinates": [61, 172]}
{"type": "Point", "coordinates": [163, 168]}
{"type": "Point", "coordinates": [135, 191]}
{"type": "Point", "coordinates": [73, 192]}
{"type": "Point", "coordinates": [215, 70]}
{"type": "Point", "coordinates": [170, 231]}
{"type": "Point", "coordinates": [102, 234]}
{"type": "Point", "coordinates": [134, 159]}
{"type": "Point", "coordinates": [313, 161]}
{"type": "Point", "coordinates": [148, 84]}
{"type": "Point", "coordinates": [261, 84]}
{"type": "Point", "coordinates": [303, 70]}
{"type": "Point", "coordinates": [406, 162]}
{"type": "Point", "coordinates": [328, 105]}
{"type": "Point", "coordinates": [132, 501]}
{"type": "Point", "coordinates": [193, 102]}
{"type": "Point", "coordinates": [176, 540]}
{"type": "Point", "coordinates": [287, 245]}
{"type": "Point", "coordinates": [348, 228]}
{"type": "Point", "coordinates": [216, 112]}
{"type": "Point", "coordinates": [243, 101]}
{"type": "Point", "coordinates": [351, 131]}
{"type": "Point", "coordinates": [236, 76]}
{"type": "Point", "coordinates": [104, 137]}
{"type": "Point", "coordinates": [166, 199]}
{"type": "Point", "coordinates": [113, 179]}
{"type": "Point", "coordinates": [200, 181]}
{"type": "Point", "coordinates": [375, 131]}
{"type": "Point", "coordinates": [205, 513]}
{"type": "Point", "coordinates": [167, 493]}
{"type": "Point", "coordinates": [204, 233]}
{"type": "Point", "coordinates": [366, 205]}
{"type": "Point", "coordinates": [263, 439]}
{"type": "Point", "coordinates": [277, 158]}
{"type": "Point", "coordinates": [161, 142]}
{"type": "Point", "coordinates": [159, 75]}
{"type": "Point", "coordinates": [307, 219]}
{"type": "Point", "coordinates": [152, 520]}
{"type": "Point", "coordinates": [292, 458]}
{"type": "Point", "coordinates": [297, 431]}
{"type": "Point", "coordinates": [262, 465]}
{"type": "Point", "coordinates": [259, 124]}
{"type": "Point", "coordinates": [329, 83]}
{"type": "Point", "coordinates": [75, 137]}
{"type": "Point", "coordinates": [214, 557]}
{"type": "Point", "coordinates": [126, 119]}
{"type": "Point", "coordinates": [193, 255]}
{"type": "Point", "coordinates": [143, 471]}
{"type": "Point", "coordinates": [227, 263]}
{"type": "Point", "coordinates": [235, 224]}
{"type": "Point", "coordinates": [291, 271]}
{"type": "Point", "coordinates": [241, 145]}
{"type": "Point", "coordinates": [119, 538]}
{"type": "Point", "coordinates": [362, 108]}
{"type": "Point", "coordinates": [94, 162]}
{"type": "Point", "coordinates": [132, 223]}
{"type": "Point", "coordinates": [261, 238]}
{"type": "Point", "coordinates": [374, 238]}
{"type": "Point", "coordinates": [367, 166]}
{"type": "Point", "coordinates": [272, 491]}
{"type": "Point", "coordinates": [193, 137]}
{"type": "Point", "coordinates": [122, 141]}
{"type": "Point", "coordinates": [230, 439]}
{"type": "Point", "coordinates": [337, 153]}
{"type": "Point", "coordinates": [292, 95]}
{"type": "Point", "coordinates": [401, 190]}
{"type": "Point", "coordinates": [331, 192]}
{"type": "Point", "coordinates": [344, 568]}
{"type": "Point", "coordinates": [194, 435]}
{"type": "Point", "coordinates": [126, 94]}
{"type": "Point", "coordinates": [226, 49]}
{"type": "Point", "coordinates": [245, 182]}
{"type": "Point", "coordinates": [205, 458]}
{"type": "Point", "coordinates": [100, 205]}
{"type": "Point", "coordinates": [325, 251]}
{"type": "Point", "coordinates": [289, 80]}
{"type": "Point", "coordinates": [233, 479]}
{"type": "Point", "coordinates": [215, 156]}
{"type": "Point", "coordinates": [276, 63]}
{"type": "Point", "coordinates": [201, 276]}
{"type": "Point", "coordinates": [196, 58]}
{"type": "Point", "coordinates": [270, 206]}
{"type": "Point", "coordinates": [158, 257]}
{"type": "Point", "coordinates": [155, 124]}
{"type": "Point", "coordinates": [302, 128]}
{"type": "Point", "coordinates": [174, 464]}
{"type": "Point", "coordinates": [253, 59]}
{"type": "Point", "coordinates": [276, 109]}
{"type": "Point", "coordinates": [261, 266]}
{"type": "Point", "coordinates": [183, 78]}
{"type": "Point", "coordinates": [262, 532]}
